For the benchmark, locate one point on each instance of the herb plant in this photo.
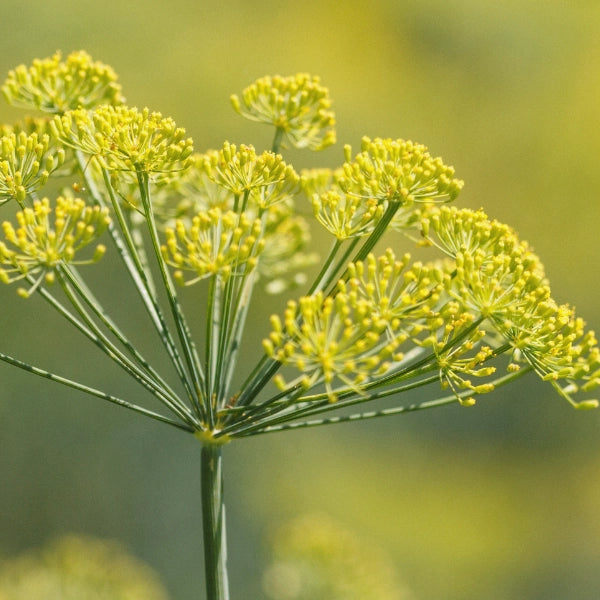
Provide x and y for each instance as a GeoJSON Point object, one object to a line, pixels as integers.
{"type": "Point", "coordinates": [372, 325]}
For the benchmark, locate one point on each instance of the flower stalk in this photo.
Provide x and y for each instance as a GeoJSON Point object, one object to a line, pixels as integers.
{"type": "Point", "coordinates": [213, 522]}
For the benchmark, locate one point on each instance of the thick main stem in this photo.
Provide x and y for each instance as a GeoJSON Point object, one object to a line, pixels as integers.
{"type": "Point", "coordinates": [213, 523]}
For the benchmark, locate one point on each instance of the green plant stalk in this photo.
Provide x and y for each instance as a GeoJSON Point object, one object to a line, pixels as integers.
{"type": "Point", "coordinates": [138, 277]}
{"type": "Point", "coordinates": [88, 297]}
{"type": "Point", "coordinates": [139, 374]}
{"type": "Point", "coordinates": [189, 350]}
{"type": "Point", "coordinates": [213, 334]}
{"type": "Point", "coordinates": [379, 230]}
{"type": "Point", "coordinates": [325, 273]}
{"type": "Point", "coordinates": [213, 523]}
{"type": "Point", "coordinates": [235, 339]}
{"type": "Point", "coordinates": [332, 276]}
{"type": "Point", "coordinates": [277, 139]}
{"type": "Point", "coordinates": [92, 391]}
{"type": "Point", "coordinates": [397, 410]}
{"type": "Point", "coordinates": [146, 279]}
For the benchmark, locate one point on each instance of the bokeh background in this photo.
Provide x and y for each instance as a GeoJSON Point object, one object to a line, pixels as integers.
{"type": "Point", "coordinates": [499, 501]}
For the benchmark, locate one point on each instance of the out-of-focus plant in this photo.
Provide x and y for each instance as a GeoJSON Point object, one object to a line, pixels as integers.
{"type": "Point", "coordinates": [373, 324]}
{"type": "Point", "coordinates": [78, 568]}
{"type": "Point", "coordinates": [314, 558]}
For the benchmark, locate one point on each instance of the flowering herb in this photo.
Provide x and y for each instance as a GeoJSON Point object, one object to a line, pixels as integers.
{"type": "Point", "coordinates": [373, 323]}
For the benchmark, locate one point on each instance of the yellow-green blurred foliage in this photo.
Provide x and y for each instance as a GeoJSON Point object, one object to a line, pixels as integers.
{"type": "Point", "coordinates": [315, 558]}
{"type": "Point", "coordinates": [497, 501]}
{"type": "Point", "coordinates": [78, 568]}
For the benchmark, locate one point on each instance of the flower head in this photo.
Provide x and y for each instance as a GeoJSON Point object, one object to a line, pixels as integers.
{"type": "Point", "coordinates": [495, 273]}
{"type": "Point", "coordinates": [41, 126]}
{"type": "Point", "coordinates": [398, 294]}
{"type": "Point", "coordinates": [455, 230]}
{"type": "Point", "coordinates": [555, 343]}
{"type": "Point", "coordinates": [38, 246]}
{"type": "Point", "coordinates": [316, 558]}
{"type": "Point", "coordinates": [26, 162]}
{"type": "Point", "coordinates": [329, 339]}
{"type": "Point", "coordinates": [318, 181]}
{"type": "Point", "coordinates": [78, 567]}
{"type": "Point", "coordinates": [346, 216]}
{"type": "Point", "coordinates": [259, 188]}
{"type": "Point", "coordinates": [126, 139]}
{"type": "Point", "coordinates": [216, 243]}
{"type": "Point", "coordinates": [297, 105]}
{"type": "Point", "coordinates": [459, 352]}
{"type": "Point", "coordinates": [240, 170]}
{"type": "Point", "coordinates": [56, 86]}
{"type": "Point", "coordinates": [397, 171]}
{"type": "Point", "coordinates": [500, 278]}
{"type": "Point", "coordinates": [343, 215]}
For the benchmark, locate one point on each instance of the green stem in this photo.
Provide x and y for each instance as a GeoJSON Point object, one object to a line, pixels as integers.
{"type": "Point", "coordinates": [145, 279]}
{"type": "Point", "coordinates": [225, 324]}
{"type": "Point", "coordinates": [262, 420]}
{"type": "Point", "coordinates": [277, 140]}
{"type": "Point", "coordinates": [138, 275]}
{"type": "Point", "coordinates": [337, 269]}
{"type": "Point", "coordinates": [185, 338]}
{"type": "Point", "coordinates": [379, 230]}
{"type": "Point", "coordinates": [213, 333]}
{"type": "Point", "coordinates": [234, 343]}
{"type": "Point", "coordinates": [92, 302]}
{"type": "Point", "coordinates": [93, 332]}
{"type": "Point", "coordinates": [92, 391]}
{"type": "Point", "coordinates": [451, 399]}
{"type": "Point", "coordinates": [213, 523]}
{"type": "Point", "coordinates": [325, 275]}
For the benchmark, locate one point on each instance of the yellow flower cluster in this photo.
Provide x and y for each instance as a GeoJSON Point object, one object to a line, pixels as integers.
{"type": "Point", "coordinates": [240, 170]}
{"type": "Point", "coordinates": [80, 568]}
{"type": "Point", "coordinates": [553, 340]}
{"type": "Point", "coordinates": [126, 139]}
{"type": "Point", "coordinates": [38, 247]}
{"type": "Point", "coordinates": [459, 354]}
{"type": "Point", "coordinates": [299, 106]}
{"type": "Point", "coordinates": [395, 291]}
{"type": "Point", "coordinates": [490, 295]}
{"type": "Point", "coordinates": [499, 277]}
{"type": "Point", "coordinates": [286, 236]}
{"type": "Point", "coordinates": [37, 125]}
{"type": "Point", "coordinates": [318, 180]}
{"type": "Point", "coordinates": [216, 243]}
{"type": "Point", "coordinates": [26, 162]}
{"type": "Point", "coordinates": [230, 213]}
{"type": "Point", "coordinates": [350, 202]}
{"type": "Point", "coordinates": [346, 216]}
{"type": "Point", "coordinates": [235, 179]}
{"type": "Point", "coordinates": [320, 559]}
{"type": "Point", "coordinates": [56, 86]}
{"type": "Point", "coordinates": [354, 335]}
{"type": "Point", "coordinates": [329, 338]}
{"type": "Point", "coordinates": [397, 171]}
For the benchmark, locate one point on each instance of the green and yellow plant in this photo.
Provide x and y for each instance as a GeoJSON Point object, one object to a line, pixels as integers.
{"type": "Point", "coordinates": [78, 568]}
{"type": "Point", "coordinates": [373, 324]}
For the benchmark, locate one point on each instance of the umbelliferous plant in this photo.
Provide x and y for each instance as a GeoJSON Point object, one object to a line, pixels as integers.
{"type": "Point", "coordinates": [373, 324]}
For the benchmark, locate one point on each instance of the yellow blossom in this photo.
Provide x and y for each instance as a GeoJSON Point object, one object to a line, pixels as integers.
{"type": "Point", "coordinates": [38, 246]}
{"type": "Point", "coordinates": [55, 86]}
{"type": "Point", "coordinates": [298, 105]}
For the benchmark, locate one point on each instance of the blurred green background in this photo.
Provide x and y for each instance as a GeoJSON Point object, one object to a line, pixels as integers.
{"type": "Point", "coordinates": [496, 502]}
